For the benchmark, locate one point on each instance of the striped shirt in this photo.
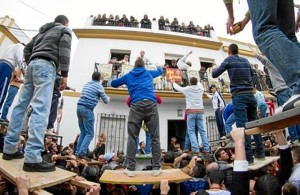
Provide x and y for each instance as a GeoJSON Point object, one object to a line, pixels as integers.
{"type": "Point", "coordinates": [239, 71]}
{"type": "Point", "coordinates": [91, 93]}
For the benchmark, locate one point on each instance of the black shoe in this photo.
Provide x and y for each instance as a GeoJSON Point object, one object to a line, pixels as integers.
{"type": "Point", "coordinates": [39, 167]}
{"type": "Point", "coordinates": [16, 155]}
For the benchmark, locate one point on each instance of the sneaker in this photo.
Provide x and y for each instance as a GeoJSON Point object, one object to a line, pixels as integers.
{"type": "Point", "coordinates": [49, 132]}
{"type": "Point", "coordinates": [223, 137]}
{"type": "Point", "coordinates": [4, 120]}
{"type": "Point", "coordinates": [39, 167]}
{"type": "Point", "coordinates": [260, 157]}
{"type": "Point", "coordinates": [129, 173]}
{"type": "Point", "coordinates": [16, 155]}
{"type": "Point", "coordinates": [156, 173]}
{"type": "Point", "coordinates": [228, 135]}
{"type": "Point", "coordinates": [295, 143]}
{"type": "Point", "coordinates": [293, 102]}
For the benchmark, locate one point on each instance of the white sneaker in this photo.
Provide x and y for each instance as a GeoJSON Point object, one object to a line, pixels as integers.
{"type": "Point", "coordinates": [295, 143]}
{"type": "Point", "coordinates": [156, 173]}
{"type": "Point", "coordinates": [129, 173]}
{"type": "Point", "coordinates": [291, 103]}
{"type": "Point", "coordinates": [223, 137]}
{"type": "Point", "coordinates": [49, 132]}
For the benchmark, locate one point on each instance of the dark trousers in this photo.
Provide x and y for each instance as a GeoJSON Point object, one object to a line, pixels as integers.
{"type": "Point", "coordinates": [144, 110]}
{"type": "Point", "coordinates": [220, 122]}
{"type": "Point", "coordinates": [53, 112]}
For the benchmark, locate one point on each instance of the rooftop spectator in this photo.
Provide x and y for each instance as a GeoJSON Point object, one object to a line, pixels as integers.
{"type": "Point", "coordinates": [167, 24]}
{"type": "Point", "coordinates": [133, 22]}
{"type": "Point", "coordinates": [145, 22]}
{"type": "Point", "coordinates": [111, 20]}
{"type": "Point", "coordinates": [175, 25]}
{"type": "Point", "coordinates": [124, 20]}
{"type": "Point", "coordinates": [103, 20]}
{"type": "Point", "coordinates": [191, 28]}
{"type": "Point", "coordinates": [161, 23]}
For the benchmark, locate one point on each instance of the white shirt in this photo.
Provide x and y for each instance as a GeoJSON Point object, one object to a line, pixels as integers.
{"type": "Point", "coordinates": [14, 55]}
{"type": "Point", "coordinates": [217, 100]}
{"type": "Point", "coordinates": [193, 95]}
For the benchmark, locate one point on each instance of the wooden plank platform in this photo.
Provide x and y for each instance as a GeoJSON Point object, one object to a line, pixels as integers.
{"type": "Point", "coordinates": [38, 180]}
{"type": "Point", "coordinates": [275, 122]}
{"type": "Point", "coordinates": [261, 163]}
{"type": "Point", "coordinates": [143, 177]}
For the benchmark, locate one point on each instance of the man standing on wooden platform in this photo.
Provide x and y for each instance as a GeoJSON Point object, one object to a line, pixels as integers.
{"type": "Point", "coordinates": [143, 107]}
{"type": "Point", "coordinates": [92, 92]}
{"type": "Point", "coordinates": [244, 102]}
{"type": "Point", "coordinates": [273, 24]}
{"type": "Point", "coordinates": [48, 51]}
{"type": "Point", "coordinates": [194, 109]}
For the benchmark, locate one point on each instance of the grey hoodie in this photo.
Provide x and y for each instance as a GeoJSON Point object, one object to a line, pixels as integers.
{"type": "Point", "coordinates": [52, 42]}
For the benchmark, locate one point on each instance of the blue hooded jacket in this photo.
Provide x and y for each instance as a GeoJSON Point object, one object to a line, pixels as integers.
{"type": "Point", "coordinates": [139, 82]}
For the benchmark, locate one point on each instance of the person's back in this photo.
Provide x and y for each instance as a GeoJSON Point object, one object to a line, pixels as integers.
{"type": "Point", "coordinates": [139, 82]}
{"type": "Point", "coordinates": [48, 51]}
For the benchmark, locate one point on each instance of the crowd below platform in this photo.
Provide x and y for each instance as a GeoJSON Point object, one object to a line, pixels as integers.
{"type": "Point", "coordinates": [163, 24]}
{"type": "Point", "coordinates": [210, 171]}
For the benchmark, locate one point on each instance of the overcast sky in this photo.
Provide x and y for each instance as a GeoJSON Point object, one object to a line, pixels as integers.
{"type": "Point", "coordinates": [31, 14]}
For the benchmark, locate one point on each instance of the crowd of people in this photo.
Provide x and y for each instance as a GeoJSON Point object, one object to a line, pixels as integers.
{"type": "Point", "coordinates": [163, 24]}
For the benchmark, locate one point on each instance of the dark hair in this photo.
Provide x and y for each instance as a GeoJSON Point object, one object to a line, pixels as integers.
{"type": "Point", "coordinates": [169, 157]}
{"type": "Point", "coordinates": [193, 81]}
{"type": "Point", "coordinates": [218, 154]}
{"type": "Point", "coordinates": [216, 177]}
{"type": "Point", "coordinates": [289, 189]}
{"type": "Point", "coordinates": [139, 62]}
{"type": "Point", "coordinates": [212, 87]}
{"type": "Point", "coordinates": [233, 48]}
{"type": "Point", "coordinates": [96, 76]}
{"type": "Point", "coordinates": [199, 171]}
{"type": "Point", "coordinates": [61, 19]}
{"type": "Point", "coordinates": [267, 185]}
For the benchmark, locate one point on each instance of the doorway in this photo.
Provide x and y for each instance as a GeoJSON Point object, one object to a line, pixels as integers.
{"type": "Point", "coordinates": [177, 128]}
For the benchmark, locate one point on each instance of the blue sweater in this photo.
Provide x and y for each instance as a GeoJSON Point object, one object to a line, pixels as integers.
{"type": "Point", "coordinates": [91, 93]}
{"type": "Point", "coordinates": [239, 72]}
{"type": "Point", "coordinates": [139, 82]}
{"type": "Point", "coordinates": [228, 110]}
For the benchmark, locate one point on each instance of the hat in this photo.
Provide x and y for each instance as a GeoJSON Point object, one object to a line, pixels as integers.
{"type": "Point", "coordinates": [108, 156]}
{"type": "Point", "coordinates": [139, 63]}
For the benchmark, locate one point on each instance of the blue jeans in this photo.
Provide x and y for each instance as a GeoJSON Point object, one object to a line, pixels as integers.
{"type": "Point", "coordinates": [5, 76]}
{"type": "Point", "coordinates": [273, 23]}
{"type": "Point", "coordinates": [220, 122]}
{"type": "Point", "coordinates": [12, 92]}
{"type": "Point", "coordinates": [244, 109]}
{"type": "Point", "coordinates": [148, 143]}
{"type": "Point", "coordinates": [37, 90]}
{"type": "Point", "coordinates": [229, 122]}
{"type": "Point", "coordinates": [282, 97]}
{"type": "Point", "coordinates": [86, 120]}
{"type": "Point", "coordinates": [263, 110]}
{"type": "Point", "coordinates": [194, 119]}
{"type": "Point", "coordinates": [187, 143]}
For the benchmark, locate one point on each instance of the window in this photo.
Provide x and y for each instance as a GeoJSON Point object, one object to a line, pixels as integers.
{"type": "Point", "coordinates": [113, 126]}
{"type": "Point", "coordinates": [119, 54]}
